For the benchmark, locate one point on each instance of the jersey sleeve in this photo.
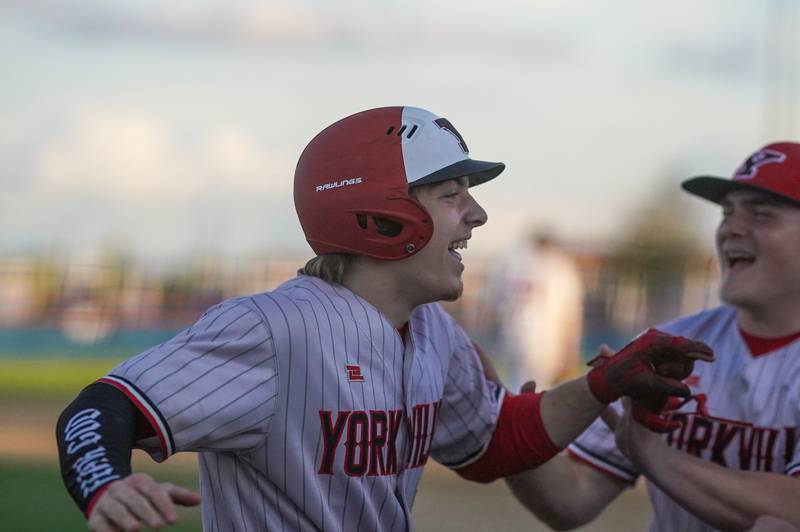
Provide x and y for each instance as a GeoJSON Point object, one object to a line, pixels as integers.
{"type": "Point", "coordinates": [211, 387]}
{"type": "Point", "coordinates": [468, 410]}
{"type": "Point", "coordinates": [596, 447]}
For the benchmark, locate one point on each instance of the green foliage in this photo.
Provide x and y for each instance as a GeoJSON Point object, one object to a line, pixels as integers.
{"type": "Point", "coordinates": [34, 499]}
{"type": "Point", "coordinates": [57, 377]}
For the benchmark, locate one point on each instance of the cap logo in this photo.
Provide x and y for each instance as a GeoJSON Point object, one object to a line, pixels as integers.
{"type": "Point", "coordinates": [447, 126]}
{"type": "Point", "coordinates": [750, 167]}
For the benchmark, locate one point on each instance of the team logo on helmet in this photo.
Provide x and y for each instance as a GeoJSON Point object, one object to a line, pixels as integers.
{"type": "Point", "coordinates": [750, 167]}
{"type": "Point", "coordinates": [447, 126]}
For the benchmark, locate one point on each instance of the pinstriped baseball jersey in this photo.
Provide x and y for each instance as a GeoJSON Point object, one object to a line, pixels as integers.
{"type": "Point", "coordinates": [309, 411]}
{"type": "Point", "coordinates": [763, 391]}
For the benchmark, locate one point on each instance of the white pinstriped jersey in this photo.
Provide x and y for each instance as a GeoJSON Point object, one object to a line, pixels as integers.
{"type": "Point", "coordinates": [308, 410]}
{"type": "Point", "coordinates": [761, 390]}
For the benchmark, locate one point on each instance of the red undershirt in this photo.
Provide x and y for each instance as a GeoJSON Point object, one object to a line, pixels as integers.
{"type": "Point", "coordinates": [402, 330]}
{"type": "Point", "coordinates": [761, 346]}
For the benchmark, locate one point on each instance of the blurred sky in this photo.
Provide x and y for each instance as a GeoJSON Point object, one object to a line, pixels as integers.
{"type": "Point", "coordinates": [171, 128]}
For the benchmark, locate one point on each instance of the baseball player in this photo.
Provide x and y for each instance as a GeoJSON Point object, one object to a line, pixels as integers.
{"type": "Point", "coordinates": [736, 455]}
{"type": "Point", "coordinates": [316, 406]}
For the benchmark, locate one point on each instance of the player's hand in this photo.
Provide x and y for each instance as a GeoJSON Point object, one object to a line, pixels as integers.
{"type": "Point", "coordinates": [488, 368]}
{"type": "Point", "coordinates": [139, 501]}
{"type": "Point", "coordinates": [652, 365]}
{"type": "Point", "coordinates": [632, 438]}
{"type": "Point", "coordinates": [491, 373]}
{"type": "Point", "coordinates": [652, 411]}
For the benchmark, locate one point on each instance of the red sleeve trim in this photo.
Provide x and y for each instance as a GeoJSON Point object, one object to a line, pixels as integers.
{"type": "Point", "coordinates": [150, 413]}
{"type": "Point", "coordinates": [598, 466]}
{"type": "Point", "coordinates": [520, 441]}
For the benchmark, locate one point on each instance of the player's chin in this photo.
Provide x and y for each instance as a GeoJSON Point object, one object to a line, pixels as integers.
{"type": "Point", "coordinates": [453, 296]}
{"type": "Point", "coordinates": [735, 294]}
{"type": "Point", "coordinates": [453, 292]}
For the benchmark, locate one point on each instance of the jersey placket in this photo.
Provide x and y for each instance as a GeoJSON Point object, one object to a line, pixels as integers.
{"type": "Point", "coordinates": [403, 455]}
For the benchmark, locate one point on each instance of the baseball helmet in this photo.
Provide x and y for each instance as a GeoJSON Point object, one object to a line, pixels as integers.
{"type": "Point", "coordinates": [774, 169]}
{"type": "Point", "coordinates": [351, 185]}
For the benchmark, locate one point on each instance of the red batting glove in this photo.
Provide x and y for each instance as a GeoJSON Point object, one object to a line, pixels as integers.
{"type": "Point", "coordinates": [657, 416]}
{"type": "Point", "coordinates": [633, 371]}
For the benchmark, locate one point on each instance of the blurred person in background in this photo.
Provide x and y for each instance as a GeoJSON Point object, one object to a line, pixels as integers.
{"type": "Point", "coordinates": [538, 313]}
{"type": "Point", "coordinates": [735, 455]}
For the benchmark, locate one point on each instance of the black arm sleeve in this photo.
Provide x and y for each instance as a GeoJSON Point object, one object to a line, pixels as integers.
{"type": "Point", "coordinates": [95, 435]}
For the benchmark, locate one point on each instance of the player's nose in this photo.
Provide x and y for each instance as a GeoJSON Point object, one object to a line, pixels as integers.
{"type": "Point", "coordinates": [732, 225]}
{"type": "Point", "coordinates": [476, 216]}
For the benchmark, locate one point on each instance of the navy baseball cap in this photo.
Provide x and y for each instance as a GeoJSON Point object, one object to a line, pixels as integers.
{"type": "Point", "coordinates": [774, 169]}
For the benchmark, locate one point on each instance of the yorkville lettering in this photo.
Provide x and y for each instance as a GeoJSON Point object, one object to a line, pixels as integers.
{"type": "Point", "coordinates": [370, 440]}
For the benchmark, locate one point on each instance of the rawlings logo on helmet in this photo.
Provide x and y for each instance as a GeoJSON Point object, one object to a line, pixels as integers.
{"type": "Point", "coordinates": [337, 184]}
{"type": "Point", "coordinates": [750, 167]}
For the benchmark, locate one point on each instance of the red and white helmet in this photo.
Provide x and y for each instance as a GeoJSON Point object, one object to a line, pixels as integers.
{"type": "Point", "coordinates": [352, 180]}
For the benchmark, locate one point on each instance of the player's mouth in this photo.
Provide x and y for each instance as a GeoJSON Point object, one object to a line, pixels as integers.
{"type": "Point", "coordinates": [737, 260]}
{"type": "Point", "coordinates": [457, 244]}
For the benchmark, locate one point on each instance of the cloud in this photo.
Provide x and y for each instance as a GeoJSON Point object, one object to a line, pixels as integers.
{"type": "Point", "coordinates": [134, 157]}
{"type": "Point", "coordinates": [299, 26]}
{"type": "Point", "coordinates": [124, 155]}
{"type": "Point", "coordinates": [685, 37]}
{"type": "Point", "coordinates": [129, 177]}
{"type": "Point", "coordinates": [233, 157]}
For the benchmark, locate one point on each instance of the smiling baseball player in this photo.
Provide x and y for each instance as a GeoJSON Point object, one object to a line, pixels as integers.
{"type": "Point", "coordinates": [316, 406]}
{"type": "Point", "coordinates": [736, 455]}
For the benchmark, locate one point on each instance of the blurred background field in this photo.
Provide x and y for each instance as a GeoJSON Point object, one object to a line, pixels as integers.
{"type": "Point", "coordinates": [147, 149]}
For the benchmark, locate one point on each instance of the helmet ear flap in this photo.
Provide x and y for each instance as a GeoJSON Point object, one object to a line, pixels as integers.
{"type": "Point", "coordinates": [384, 226]}
{"type": "Point", "coordinates": [398, 230]}
{"type": "Point", "coordinates": [388, 227]}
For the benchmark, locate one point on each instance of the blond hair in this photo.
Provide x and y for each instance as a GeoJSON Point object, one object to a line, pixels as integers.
{"type": "Point", "coordinates": [330, 267]}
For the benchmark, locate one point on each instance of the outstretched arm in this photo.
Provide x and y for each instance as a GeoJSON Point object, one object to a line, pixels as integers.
{"type": "Point", "coordinates": [725, 498]}
{"type": "Point", "coordinates": [567, 410]}
{"type": "Point", "coordinates": [95, 435]}
{"type": "Point", "coordinates": [565, 493]}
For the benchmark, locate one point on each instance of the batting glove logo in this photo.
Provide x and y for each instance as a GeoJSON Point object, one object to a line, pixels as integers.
{"type": "Point", "coordinates": [354, 373]}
